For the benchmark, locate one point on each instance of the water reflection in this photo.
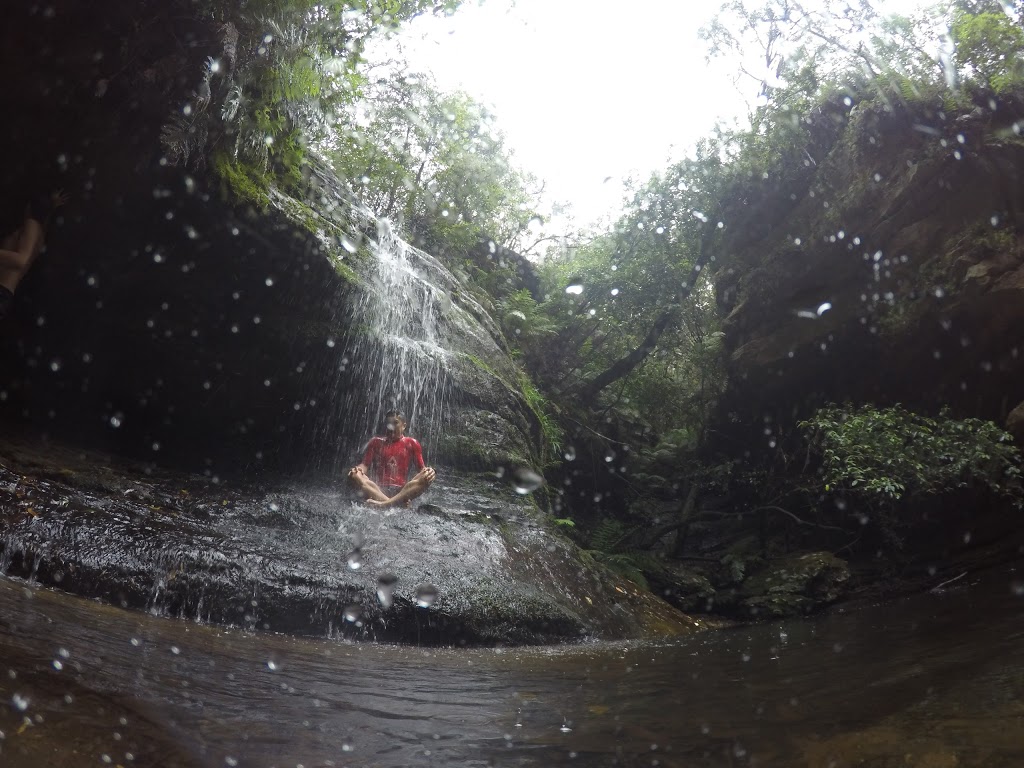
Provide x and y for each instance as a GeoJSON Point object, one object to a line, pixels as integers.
{"type": "Point", "coordinates": [927, 682]}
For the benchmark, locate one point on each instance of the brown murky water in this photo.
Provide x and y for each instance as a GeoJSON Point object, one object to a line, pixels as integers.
{"type": "Point", "coordinates": [933, 681]}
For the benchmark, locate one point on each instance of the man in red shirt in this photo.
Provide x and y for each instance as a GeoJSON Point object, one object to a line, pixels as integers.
{"type": "Point", "coordinates": [387, 460]}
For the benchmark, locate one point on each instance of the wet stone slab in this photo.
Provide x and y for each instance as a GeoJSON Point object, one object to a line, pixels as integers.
{"type": "Point", "coordinates": [474, 564]}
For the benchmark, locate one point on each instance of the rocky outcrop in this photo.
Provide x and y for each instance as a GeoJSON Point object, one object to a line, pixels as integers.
{"type": "Point", "coordinates": [891, 271]}
{"type": "Point", "coordinates": [794, 585]}
{"type": "Point", "coordinates": [475, 564]}
{"type": "Point", "coordinates": [171, 319]}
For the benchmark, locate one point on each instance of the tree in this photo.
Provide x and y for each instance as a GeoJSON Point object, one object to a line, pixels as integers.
{"type": "Point", "coordinates": [785, 34]}
{"type": "Point", "coordinates": [989, 45]}
{"type": "Point", "coordinates": [437, 163]}
{"type": "Point", "coordinates": [279, 73]}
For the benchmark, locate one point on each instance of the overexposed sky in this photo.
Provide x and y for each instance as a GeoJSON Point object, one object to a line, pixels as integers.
{"type": "Point", "coordinates": [587, 92]}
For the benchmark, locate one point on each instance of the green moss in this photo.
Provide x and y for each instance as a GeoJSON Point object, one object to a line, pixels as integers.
{"type": "Point", "coordinates": [551, 433]}
{"type": "Point", "coordinates": [245, 182]}
{"type": "Point", "coordinates": [483, 366]}
{"type": "Point", "coordinates": [300, 213]}
{"type": "Point", "coordinates": [345, 272]}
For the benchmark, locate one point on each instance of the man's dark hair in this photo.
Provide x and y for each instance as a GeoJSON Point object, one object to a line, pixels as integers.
{"type": "Point", "coordinates": [399, 414]}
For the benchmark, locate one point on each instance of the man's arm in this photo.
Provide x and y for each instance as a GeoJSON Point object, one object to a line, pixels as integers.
{"type": "Point", "coordinates": [369, 455]}
{"type": "Point", "coordinates": [417, 454]}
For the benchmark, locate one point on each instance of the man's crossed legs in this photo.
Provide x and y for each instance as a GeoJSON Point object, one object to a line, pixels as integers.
{"type": "Point", "coordinates": [376, 497]}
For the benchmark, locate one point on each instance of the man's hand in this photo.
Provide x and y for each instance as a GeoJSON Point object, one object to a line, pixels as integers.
{"type": "Point", "coordinates": [356, 471]}
{"type": "Point", "coordinates": [58, 198]}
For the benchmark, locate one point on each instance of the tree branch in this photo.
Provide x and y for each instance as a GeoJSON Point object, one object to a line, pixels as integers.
{"type": "Point", "coordinates": [794, 517]}
{"type": "Point", "coordinates": [625, 365]}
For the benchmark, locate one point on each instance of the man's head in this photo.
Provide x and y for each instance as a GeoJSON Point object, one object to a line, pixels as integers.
{"type": "Point", "coordinates": [394, 424]}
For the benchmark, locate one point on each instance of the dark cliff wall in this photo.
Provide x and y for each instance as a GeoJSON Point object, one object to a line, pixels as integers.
{"type": "Point", "coordinates": [160, 321]}
{"type": "Point", "coordinates": [892, 272]}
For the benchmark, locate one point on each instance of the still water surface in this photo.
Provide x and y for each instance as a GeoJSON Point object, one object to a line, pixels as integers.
{"type": "Point", "coordinates": [931, 681]}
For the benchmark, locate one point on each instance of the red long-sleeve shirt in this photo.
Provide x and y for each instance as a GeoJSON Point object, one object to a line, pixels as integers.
{"type": "Point", "coordinates": [388, 460]}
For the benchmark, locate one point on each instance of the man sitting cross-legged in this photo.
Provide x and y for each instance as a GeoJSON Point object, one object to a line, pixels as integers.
{"type": "Point", "coordinates": [387, 461]}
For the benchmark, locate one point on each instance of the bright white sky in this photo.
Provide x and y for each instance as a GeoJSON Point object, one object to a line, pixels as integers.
{"type": "Point", "coordinates": [584, 90]}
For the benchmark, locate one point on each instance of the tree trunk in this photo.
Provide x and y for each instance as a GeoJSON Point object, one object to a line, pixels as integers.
{"type": "Point", "coordinates": [625, 365]}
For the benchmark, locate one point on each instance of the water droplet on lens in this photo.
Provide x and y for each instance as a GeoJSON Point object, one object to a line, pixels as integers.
{"type": "Point", "coordinates": [355, 560]}
{"type": "Point", "coordinates": [575, 289]}
{"type": "Point", "coordinates": [271, 665]}
{"type": "Point", "coordinates": [570, 453]}
{"type": "Point", "coordinates": [386, 588]}
{"type": "Point", "coordinates": [352, 612]}
{"type": "Point", "coordinates": [426, 595]}
{"type": "Point", "coordinates": [525, 480]}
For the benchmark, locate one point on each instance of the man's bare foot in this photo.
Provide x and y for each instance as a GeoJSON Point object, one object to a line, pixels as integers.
{"type": "Point", "coordinates": [378, 504]}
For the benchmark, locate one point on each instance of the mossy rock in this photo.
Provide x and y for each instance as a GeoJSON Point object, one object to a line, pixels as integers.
{"type": "Point", "coordinates": [794, 585]}
{"type": "Point", "coordinates": [684, 588]}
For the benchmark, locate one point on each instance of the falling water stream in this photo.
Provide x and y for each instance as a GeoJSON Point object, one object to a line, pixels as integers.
{"type": "Point", "coordinates": [399, 351]}
{"type": "Point", "coordinates": [928, 681]}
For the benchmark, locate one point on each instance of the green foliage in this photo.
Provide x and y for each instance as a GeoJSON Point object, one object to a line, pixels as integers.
{"type": "Point", "coordinates": [551, 431]}
{"type": "Point", "coordinates": [607, 544]}
{"type": "Point", "coordinates": [435, 162]}
{"type": "Point", "coordinates": [989, 46]}
{"type": "Point", "coordinates": [736, 565]}
{"type": "Point", "coordinates": [284, 69]}
{"type": "Point", "coordinates": [889, 453]}
{"type": "Point", "coordinates": [523, 321]}
{"type": "Point", "coordinates": [246, 182]}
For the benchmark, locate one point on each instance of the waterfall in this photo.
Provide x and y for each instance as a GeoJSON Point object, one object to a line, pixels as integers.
{"type": "Point", "coordinates": [397, 352]}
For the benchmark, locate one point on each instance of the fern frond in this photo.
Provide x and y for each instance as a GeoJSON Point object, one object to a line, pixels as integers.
{"type": "Point", "coordinates": [183, 139]}
{"type": "Point", "coordinates": [608, 535]}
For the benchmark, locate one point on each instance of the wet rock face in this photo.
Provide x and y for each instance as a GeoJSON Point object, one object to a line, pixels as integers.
{"type": "Point", "coordinates": [472, 565]}
{"type": "Point", "coordinates": [166, 320]}
{"type": "Point", "coordinates": [892, 272]}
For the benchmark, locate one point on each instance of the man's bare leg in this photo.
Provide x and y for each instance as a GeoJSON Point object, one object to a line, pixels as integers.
{"type": "Point", "coordinates": [414, 488]}
{"type": "Point", "coordinates": [366, 486]}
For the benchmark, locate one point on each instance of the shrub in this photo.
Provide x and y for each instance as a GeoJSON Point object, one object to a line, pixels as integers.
{"type": "Point", "coordinates": [890, 453]}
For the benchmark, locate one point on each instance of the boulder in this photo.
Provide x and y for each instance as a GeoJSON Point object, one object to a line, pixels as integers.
{"type": "Point", "coordinates": [793, 585]}
{"type": "Point", "coordinates": [685, 588]}
{"type": "Point", "coordinates": [474, 564]}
